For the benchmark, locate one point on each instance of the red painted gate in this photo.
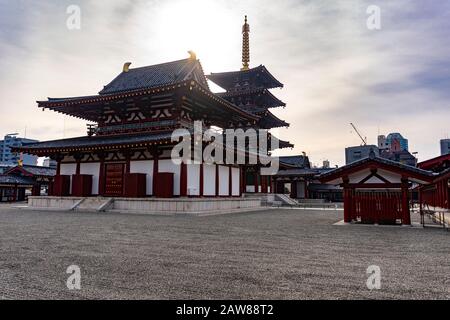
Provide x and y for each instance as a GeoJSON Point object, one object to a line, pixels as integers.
{"type": "Point", "coordinates": [382, 207]}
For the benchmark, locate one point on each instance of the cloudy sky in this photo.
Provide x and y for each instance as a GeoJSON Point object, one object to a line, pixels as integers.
{"type": "Point", "coordinates": [335, 70]}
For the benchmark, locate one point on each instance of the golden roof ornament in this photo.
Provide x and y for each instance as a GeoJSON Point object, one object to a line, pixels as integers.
{"type": "Point", "coordinates": [192, 55]}
{"type": "Point", "coordinates": [126, 66]}
{"type": "Point", "coordinates": [245, 45]}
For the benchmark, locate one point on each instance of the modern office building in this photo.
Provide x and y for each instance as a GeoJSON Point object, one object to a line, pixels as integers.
{"type": "Point", "coordinates": [10, 158]}
{"type": "Point", "coordinates": [397, 137]}
{"type": "Point", "coordinates": [382, 144]}
{"type": "Point", "coordinates": [353, 154]}
{"type": "Point", "coordinates": [445, 146]}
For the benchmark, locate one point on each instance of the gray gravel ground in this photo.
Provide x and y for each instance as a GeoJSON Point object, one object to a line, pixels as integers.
{"type": "Point", "coordinates": [274, 254]}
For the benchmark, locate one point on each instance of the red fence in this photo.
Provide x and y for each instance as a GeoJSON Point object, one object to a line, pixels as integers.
{"type": "Point", "coordinates": [382, 207]}
{"type": "Point", "coordinates": [437, 194]}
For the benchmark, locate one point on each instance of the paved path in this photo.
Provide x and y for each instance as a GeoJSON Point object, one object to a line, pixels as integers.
{"type": "Point", "coordinates": [275, 254]}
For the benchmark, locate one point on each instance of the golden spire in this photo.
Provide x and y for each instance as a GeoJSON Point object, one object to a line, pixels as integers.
{"type": "Point", "coordinates": [245, 45]}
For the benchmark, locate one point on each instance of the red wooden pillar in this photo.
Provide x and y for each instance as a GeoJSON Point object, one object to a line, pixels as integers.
{"type": "Point", "coordinates": [155, 170]}
{"type": "Point", "coordinates": [242, 181]}
{"type": "Point", "coordinates": [58, 167]}
{"type": "Point", "coordinates": [183, 179]}
{"type": "Point", "coordinates": [406, 218]}
{"type": "Point", "coordinates": [348, 202]}
{"type": "Point", "coordinates": [36, 190]}
{"type": "Point", "coordinates": [447, 188]}
{"type": "Point", "coordinates": [306, 189]}
{"type": "Point", "coordinates": [420, 201]}
{"type": "Point", "coordinates": [101, 175]}
{"type": "Point", "coordinates": [256, 182]}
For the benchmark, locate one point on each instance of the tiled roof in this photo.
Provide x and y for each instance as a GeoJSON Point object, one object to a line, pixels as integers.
{"type": "Point", "coordinates": [15, 180]}
{"type": "Point", "coordinates": [296, 161]}
{"type": "Point", "coordinates": [40, 171]}
{"type": "Point", "coordinates": [226, 79]}
{"type": "Point", "coordinates": [374, 158]}
{"type": "Point", "coordinates": [103, 141]}
{"type": "Point", "coordinates": [156, 75]}
{"type": "Point", "coordinates": [270, 101]}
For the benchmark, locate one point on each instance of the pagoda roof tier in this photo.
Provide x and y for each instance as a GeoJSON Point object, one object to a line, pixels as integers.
{"type": "Point", "coordinates": [157, 75]}
{"type": "Point", "coordinates": [268, 120]}
{"type": "Point", "coordinates": [228, 80]}
{"type": "Point", "coordinates": [263, 97]}
{"type": "Point", "coordinates": [93, 108]}
{"type": "Point", "coordinates": [285, 144]}
{"type": "Point", "coordinates": [96, 143]}
{"type": "Point", "coordinates": [282, 144]}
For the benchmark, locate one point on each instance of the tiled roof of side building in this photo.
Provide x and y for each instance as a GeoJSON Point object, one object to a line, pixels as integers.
{"type": "Point", "coordinates": [298, 161]}
{"type": "Point", "coordinates": [40, 171]}
{"type": "Point", "coordinates": [375, 158]}
{"type": "Point", "coordinates": [11, 180]}
{"type": "Point", "coordinates": [156, 75]}
{"type": "Point", "coordinates": [103, 141]}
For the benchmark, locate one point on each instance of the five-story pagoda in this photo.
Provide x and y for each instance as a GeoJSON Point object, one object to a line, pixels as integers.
{"type": "Point", "coordinates": [249, 89]}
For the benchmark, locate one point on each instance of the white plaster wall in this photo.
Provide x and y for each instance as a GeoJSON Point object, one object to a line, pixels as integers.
{"type": "Point", "coordinates": [169, 166]}
{"type": "Point", "coordinates": [249, 188]}
{"type": "Point", "coordinates": [69, 169]}
{"type": "Point", "coordinates": [209, 179]}
{"type": "Point", "coordinates": [147, 168]}
{"type": "Point", "coordinates": [358, 176]}
{"type": "Point", "coordinates": [390, 176]}
{"type": "Point", "coordinates": [235, 181]}
{"type": "Point", "coordinates": [193, 179]}
{"type": "Point", "coordinates": [224, 177]}
{"type": "Point", "coordinates": [94, 170]}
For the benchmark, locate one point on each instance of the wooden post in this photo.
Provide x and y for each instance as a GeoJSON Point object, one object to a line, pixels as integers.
{"type": "Point", "coordinates": [155, 169]}
{"type": "Point", "coordinates": [243, 182]}
{"type": "Point", "coordinates": [78, 157]}
{"type": "Point", "coordinates": [58, 167]}
{"type": "Point", "coordinates": [183, 179]}
{"type": "Point", "coordinates": [256, 181]}
{"type": "Point", "coordinates": [101, 175]}
{"type": "Point", "coordinates": [348, 199]}
{"type": "Point", "coordinates": [406, 218]}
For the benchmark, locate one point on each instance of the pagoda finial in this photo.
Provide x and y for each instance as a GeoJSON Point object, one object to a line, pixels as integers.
{"type": "Point", "coordinates": [245, 45]}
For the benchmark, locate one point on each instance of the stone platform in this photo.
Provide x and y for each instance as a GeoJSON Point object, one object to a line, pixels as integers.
{"type": "Point", "coordinates": [195, 206]}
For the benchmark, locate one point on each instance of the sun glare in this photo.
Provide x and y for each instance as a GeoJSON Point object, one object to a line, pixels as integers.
{"type": "Point", "coordinates": [201, 26]}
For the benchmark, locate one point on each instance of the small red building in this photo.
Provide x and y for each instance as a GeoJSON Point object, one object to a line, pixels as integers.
{"type": "Point", "coordinates": [437, 194]}
{"type": "Point", "coordinates": [376, 190]}
{"type": "Point", "coordinates": [16, 181]}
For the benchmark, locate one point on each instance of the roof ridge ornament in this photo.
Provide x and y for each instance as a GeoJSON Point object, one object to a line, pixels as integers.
{"type": "Point", "coordinates": [372, 154]}
{"type": "Point", "coordinates": [126, 66]}
{"type": "Point", "coordinates": [245, 46]}
{"type": "Point", "coordinates": [192, 55]}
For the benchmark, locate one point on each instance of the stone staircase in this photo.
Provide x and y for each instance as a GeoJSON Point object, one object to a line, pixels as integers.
{"type": "Point", "coordinates": [99, 204]}
{"type": "Point", "coordinates": [284, 200]}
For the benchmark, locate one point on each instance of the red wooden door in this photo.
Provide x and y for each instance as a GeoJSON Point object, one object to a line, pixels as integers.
{"type": "Point", "coordinates": [114, 179]}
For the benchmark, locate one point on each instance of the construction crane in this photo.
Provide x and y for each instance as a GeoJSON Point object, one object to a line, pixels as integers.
{"type": "Point", "coordinates": [364, 140]}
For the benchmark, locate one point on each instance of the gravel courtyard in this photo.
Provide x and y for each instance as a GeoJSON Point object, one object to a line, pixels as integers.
{"type": "Point", "coordinates": [273, 254]}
